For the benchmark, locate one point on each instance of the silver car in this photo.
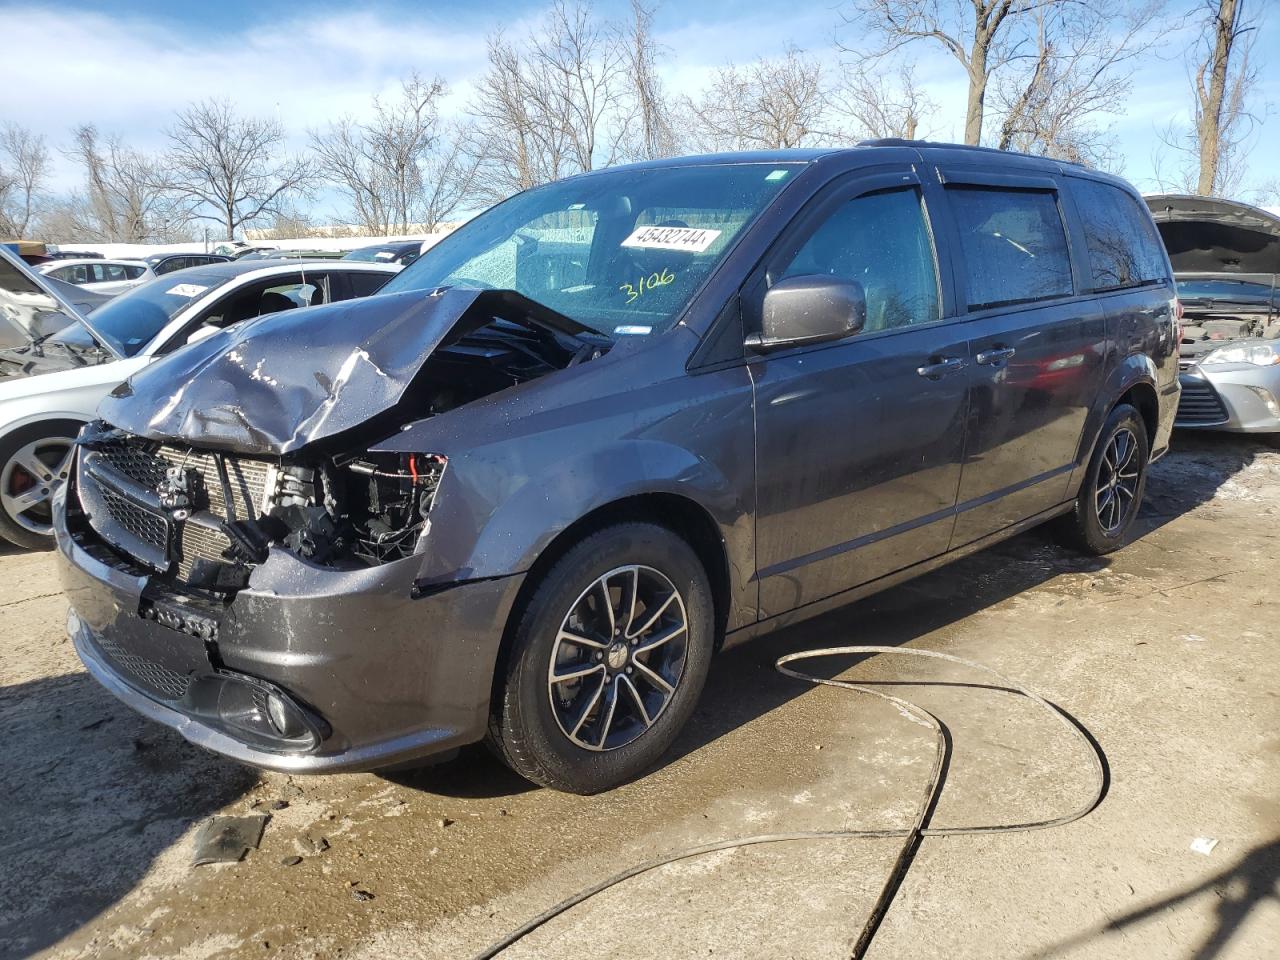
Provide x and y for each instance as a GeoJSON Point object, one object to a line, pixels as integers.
{"type": "Point", "coordinates": [1226, 259]}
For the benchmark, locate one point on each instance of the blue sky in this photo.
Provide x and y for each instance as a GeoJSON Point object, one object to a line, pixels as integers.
{"type": "Point", "coordinates": [128, 66]}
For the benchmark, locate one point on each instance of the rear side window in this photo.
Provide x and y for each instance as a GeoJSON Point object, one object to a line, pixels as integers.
{"type": "Point", "coordinates": [882, 241]}
{"type": "Point", "coordinates": [1014, 245]}
{"type": "Point", "coordinates": [1124, 250]}
{"type": "Point", "coordinates": [135, 272]}
{"type": "Point", "coordinates": [365, 284]}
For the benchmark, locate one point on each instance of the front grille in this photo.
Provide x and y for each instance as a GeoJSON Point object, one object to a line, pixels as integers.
{"type": "Point", "coordinates": [137, 521]}
{"type": "Point", "coordinates": [1200, 403]}
{"type": "Point", "coordinates": [154, 677]}
{"type": "Point", "coordinates": [119, 493]}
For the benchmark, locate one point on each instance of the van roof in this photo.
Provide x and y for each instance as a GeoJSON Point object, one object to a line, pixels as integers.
{"type": "Point", "coordinates": [866, 150]}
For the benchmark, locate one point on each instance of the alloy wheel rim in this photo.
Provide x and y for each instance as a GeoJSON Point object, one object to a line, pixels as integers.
{"type": "Point", "coordinates": [618, 658]}
{"type": "Point", "coordinates": [1117, 487]}
{"type": "Point", "coordinates": [29, 480]}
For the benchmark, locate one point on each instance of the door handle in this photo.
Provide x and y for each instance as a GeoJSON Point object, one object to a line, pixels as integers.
{"type": "Point", "coordinates": [998, 355]}
{"type": "Point", "coordinates": [941, 367]}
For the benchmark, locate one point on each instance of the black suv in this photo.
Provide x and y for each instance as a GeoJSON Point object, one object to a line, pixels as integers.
{"type": "Point", "coordinates": [526, 492]}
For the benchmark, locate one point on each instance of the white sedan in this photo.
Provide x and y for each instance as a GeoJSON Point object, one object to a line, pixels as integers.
{"type": "Point", "coordinates": [100, 276]}
{"type": "Point", "coordinates": [51, 386]}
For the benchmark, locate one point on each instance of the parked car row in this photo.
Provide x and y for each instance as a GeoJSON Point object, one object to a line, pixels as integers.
{"type": "Point", "coordinates": [527, 490]}
{"type": "Point", "coordinates": [59, 360]}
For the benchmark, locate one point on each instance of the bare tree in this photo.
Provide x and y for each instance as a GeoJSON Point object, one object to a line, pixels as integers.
{"type": "Point", "coordinates": [559, 104]}
{"type": "Point", "coordinates": [984, 36]}
{"type": "Point", "coordinates": [1079, 68]}
{"type": "Point", "coordinates": [1209, 152]}
{"type": "Point", "coordinates": [657, 136]}
{"type": "Point", "coordinates": [879, 106]}
{"type": "Point", "coordinates": [24, 170]}
{"type": "Point", "coordinates": [125, 199]}
{"type": "Point", "coordinates": [516, 143]}
{"type": "Point", "coordinates": [1223, 80]}
{"type": "Point", "coordinates": [402, 167]}
{"type": "Point", "coordinates": [768, 104]}
{"type": "Point", "coordinates": [232, 169]}
{"type": "Point", "coordinates": [1268, 193]}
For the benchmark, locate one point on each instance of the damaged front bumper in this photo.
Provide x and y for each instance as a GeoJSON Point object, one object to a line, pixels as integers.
{"type": "Point", "coordinates": [306, 670]}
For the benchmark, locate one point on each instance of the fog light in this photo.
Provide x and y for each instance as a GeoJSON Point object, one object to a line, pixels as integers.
{"type": "Point", "coordinates": [1268, 398]}
{"type": "Point", "coordinates": [284, 717]}
{"type": "Point", "coordinates": [255, 712]}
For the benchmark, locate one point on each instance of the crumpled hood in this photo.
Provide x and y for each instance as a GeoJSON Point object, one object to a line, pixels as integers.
{"type": "Point", "coordinates": [276, 383]}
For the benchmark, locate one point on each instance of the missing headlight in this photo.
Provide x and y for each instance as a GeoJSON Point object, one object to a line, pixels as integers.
{"type": "Point", "coordinates": [398, 492]}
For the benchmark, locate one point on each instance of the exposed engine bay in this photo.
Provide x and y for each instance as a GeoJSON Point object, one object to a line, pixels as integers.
{"type": "Point", "coordinates": [1209, 323]}
{"type": "Point", "coordinates": [203, 517]}
{"type": "Point", "coordinates": [1226, 261]}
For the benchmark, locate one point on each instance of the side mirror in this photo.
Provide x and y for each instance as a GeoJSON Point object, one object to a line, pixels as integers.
{"type": "Point", "coordinates": [809, 309]}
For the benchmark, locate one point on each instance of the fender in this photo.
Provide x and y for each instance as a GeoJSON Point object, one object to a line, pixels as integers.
{"type": "Point", "coordinates": [514, 531]}
{"type": "Point", "coordinates": [43, 416]}
{"type": "Point", "coordinates": [1133, 369]}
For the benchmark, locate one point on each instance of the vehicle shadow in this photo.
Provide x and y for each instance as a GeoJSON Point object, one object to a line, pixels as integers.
{"type": "Point", "coordinates": [94, 795]}
{"type": "Point", "coordinates": [1194, 473]}
{"type": "Point", "coordinates": [1238, 889]}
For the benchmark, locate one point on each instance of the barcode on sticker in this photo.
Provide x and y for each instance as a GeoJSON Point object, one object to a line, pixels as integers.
{"type": "Point", "coordinates": [689, 239]}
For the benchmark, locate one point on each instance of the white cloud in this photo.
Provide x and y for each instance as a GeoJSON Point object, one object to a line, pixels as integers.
{"type": "Point", "coordinates": [128, 76]}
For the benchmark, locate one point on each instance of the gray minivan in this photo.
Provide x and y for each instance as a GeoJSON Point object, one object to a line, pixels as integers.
{"type": "Point", "coordinates": [526, 492]}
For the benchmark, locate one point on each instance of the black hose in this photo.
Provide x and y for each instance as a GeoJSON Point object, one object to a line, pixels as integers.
{"type": "Point", "coordinates": [911, 836]}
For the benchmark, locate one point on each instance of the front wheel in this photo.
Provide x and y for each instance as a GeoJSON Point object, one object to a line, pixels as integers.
{"type": "Point", "coordinates": [1114, 483]}
{"type": "Point", "coordinates": [607, 661]}
{"type": "Point", "coordinates": [34, 462]}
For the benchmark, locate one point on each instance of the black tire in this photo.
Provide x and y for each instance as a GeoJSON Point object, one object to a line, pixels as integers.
{"type": "Point", "coordinates": [529, 734]}
{"type": "Point", "coordinates": [47, 437]}
{"type": "Point", "coordinates": [1085, 528]}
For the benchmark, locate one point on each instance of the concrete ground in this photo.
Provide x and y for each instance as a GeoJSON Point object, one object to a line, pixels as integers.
{"type": "Point", "coordinates": [1166, 651]}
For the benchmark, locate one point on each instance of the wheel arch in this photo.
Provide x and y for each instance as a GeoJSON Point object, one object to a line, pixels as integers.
{"type": "Point", "coordinates": [682, 516]}
{"type": "Point", "coordinates": [1142, 396]}
{"type": "Point", "coordinates": [1133, 380]}
{"type": "Point", "coordinates": [70, 420]}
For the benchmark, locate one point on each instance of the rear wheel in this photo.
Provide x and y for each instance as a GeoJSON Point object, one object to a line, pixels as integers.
{"type": "Point", "coordinates": [34, 462]}
{"type": "Point", "coordinates": [1114, 483]}
{"type": "Point", "coordinates": [608, 660]}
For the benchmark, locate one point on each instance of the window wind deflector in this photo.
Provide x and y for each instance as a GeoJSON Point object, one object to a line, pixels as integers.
{"type": "Point", "coordinates": [953, 177]}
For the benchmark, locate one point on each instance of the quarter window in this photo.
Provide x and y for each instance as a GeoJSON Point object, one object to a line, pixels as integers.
{"type": "Point", "coordinates": [1014, 245]}
{"type": "Point", "coordinates": [882, 241]}
{"type": "Point", "coordinates": [1124, 250]}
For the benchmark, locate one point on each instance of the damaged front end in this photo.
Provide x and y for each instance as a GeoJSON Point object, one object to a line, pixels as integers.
{"type": "Point", "coordinates": [247, 508]}
{"type": "Point", "coordinates": [261, 436]}
{"type": "Point", "coordinates": [203, 519]}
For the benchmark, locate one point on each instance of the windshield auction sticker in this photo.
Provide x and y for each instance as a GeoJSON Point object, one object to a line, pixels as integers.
{"type": "Point", "coordinates": [688, 239]}
{"type": "Point", "coordinates": [187, 290]}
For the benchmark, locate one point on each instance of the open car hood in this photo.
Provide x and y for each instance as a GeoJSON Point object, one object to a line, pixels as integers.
{"type": "Point", "coordinates": [33, 306]}
{"type": "Point", "coordinates": [279, 382]}
{"type": "Point", "coordinates": [1208, 235]}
